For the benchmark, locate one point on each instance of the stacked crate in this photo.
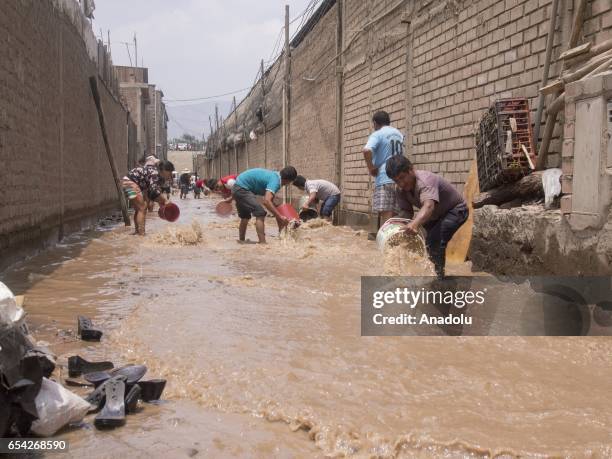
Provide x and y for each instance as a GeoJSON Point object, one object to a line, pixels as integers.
{"type": "Point", "coordinates": [502, 157]}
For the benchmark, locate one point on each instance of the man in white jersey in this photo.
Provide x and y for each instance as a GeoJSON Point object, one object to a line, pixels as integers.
{"type": "Point", "coordinates": [385, 142]}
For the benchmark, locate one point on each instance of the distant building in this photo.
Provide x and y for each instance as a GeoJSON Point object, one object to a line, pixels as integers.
{"type": "Point", "coordinates": [135, 92]}
{"type": "Point", "coordinates": [147, 110]}
{"type": "Point", "coordinates": [157, 124]}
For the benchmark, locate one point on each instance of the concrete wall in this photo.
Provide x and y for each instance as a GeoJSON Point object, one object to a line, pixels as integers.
{"type": "Point", "coordinates": [181, 160]}
{"type": "Point", "coordinates": [55, 170]}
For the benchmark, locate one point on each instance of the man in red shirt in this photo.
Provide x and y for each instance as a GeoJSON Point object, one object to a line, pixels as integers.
{"type": "Point", "coordinates": [223, 185]}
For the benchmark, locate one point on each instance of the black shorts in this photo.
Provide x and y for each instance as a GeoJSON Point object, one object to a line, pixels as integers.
{"type": "Point", "coordinates": [247, 204]}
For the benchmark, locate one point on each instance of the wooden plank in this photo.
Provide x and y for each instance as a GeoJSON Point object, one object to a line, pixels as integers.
{"type": "Point", "coordinates": [588, 68]}
{"type": "Point", "coordinates": [549, 46]}
{"type": "Point", "coordinates": [552, 88]}
{"type": "Point", "coordinates": [578, 22]}
{"type": "Point", "coordinates": [529, 187]}
{"type": "Point", "coordinates": [93, 82]}
{"type": "Point", "coordinates": [531, 166]}
{"type": "Point", "coordinates": [602, 68]}
{"type": "Point", "coordinates": [577, 51]}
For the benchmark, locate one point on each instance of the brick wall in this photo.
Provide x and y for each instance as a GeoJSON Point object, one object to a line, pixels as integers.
{"type": "Point", "coordinates": [313, 113]}
{"type": "Point", "coordinates": [436, 77]}
{"type": "Point", "coordinates": [374, 79]}
{"type": "Point", "coordinates": [55, 170]}
{"type": "Point", "coordinates": [464, 60]}
{"type": "Point", "coordinates": [312, 144]}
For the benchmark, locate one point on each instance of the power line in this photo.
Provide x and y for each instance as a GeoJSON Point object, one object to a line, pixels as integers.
{"type": "Point", "coordinates": [209, 97]}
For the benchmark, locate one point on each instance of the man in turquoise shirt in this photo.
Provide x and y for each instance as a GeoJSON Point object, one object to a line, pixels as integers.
{"type": "Point", "coordinates": [260, 182]}
{"type": "Point", "coordinates": [383, 143]}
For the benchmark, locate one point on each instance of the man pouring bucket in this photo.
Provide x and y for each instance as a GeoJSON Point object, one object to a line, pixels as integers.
{"type": "Point", "coordinates": [442, 209]}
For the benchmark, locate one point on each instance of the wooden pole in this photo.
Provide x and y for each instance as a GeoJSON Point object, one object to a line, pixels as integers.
{"type": "Point", "coordinates": [212, 147]}
{"type": "Point", "coordinates": [217, 137]}
{"type": "Point", "coordinates": [263, 114]}
{"type": "Point", "coordinates": [549, 47]}
{"type": "Point", "coordinates": [551, 117]}
{"type": "Point", "coordinates": [577, 24]}
{"type": "Point", "coordinates": [93, 82]}
{"type": "Point", "coordinates": [235, 134]}
{"type": "Point", "coordinates": [246, 148]}
{"type": "Point", "coordinates": [287, 82]}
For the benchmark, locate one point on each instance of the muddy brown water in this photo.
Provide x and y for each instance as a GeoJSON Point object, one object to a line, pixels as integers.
{"type": "Point", "coordinates": [262, 351]}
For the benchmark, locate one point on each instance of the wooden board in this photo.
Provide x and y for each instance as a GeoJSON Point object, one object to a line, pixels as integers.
{"type": "Point", "coordinates": [459, 245]}
{"type": "Point", "coordinates": [554, 87]}
{"type": "Point", "coordinates": [577, 51]}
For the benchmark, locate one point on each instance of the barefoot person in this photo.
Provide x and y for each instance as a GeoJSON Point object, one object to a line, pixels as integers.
{"type": "Point", "coordinates": [146, 181]}
{"type": "Point", "coordinates": [185, 183]}
{"type": "Point", "coordinates": [383, 143]}
{"type": "Point", "coordinates": [442, 209]}
{"type": "Point", "coordinates": [260, 182]}
{"type": "Point", "coordinates": [321, 191]}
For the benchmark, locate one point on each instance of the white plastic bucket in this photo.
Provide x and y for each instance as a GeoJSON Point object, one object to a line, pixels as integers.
{"type": "Point", "coordinates": [392, 227]}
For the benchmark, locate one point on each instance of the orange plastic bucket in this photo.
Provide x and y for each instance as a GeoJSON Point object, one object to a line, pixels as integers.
{"type": "Point", "coordinates": [287, 210]}
{"type": "Point", "coordinates": [169, 212]}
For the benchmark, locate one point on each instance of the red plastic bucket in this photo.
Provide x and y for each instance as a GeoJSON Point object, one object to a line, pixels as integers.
{"type": "Point", "coordinates": [287, 210]}
{"type": "Point", "coordinates": [224, 208]}
{"type": "Point", "coordinates": [169, 212]}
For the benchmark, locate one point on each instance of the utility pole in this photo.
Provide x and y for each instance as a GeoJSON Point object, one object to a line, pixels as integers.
{"type": "Point", "coordinates": [286, 101]}
{"type": "Point", "coordinates": [235, 134]}
{"type": "Point", "coordinates": [217, 136]}
{"type": "Point", "coordinates": [339, 94]}
{"type": "Point", "coordinates": [212, 146]}
{"type": "Point", "coordinates": [263, 114]}
{"type": "Point", "coordinates": [246, 148]}
{"type": "Point", "coordinates": [135, 50]}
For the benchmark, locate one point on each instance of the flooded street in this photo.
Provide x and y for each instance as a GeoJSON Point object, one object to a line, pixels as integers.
{"type": "Point", "coordinates": [262, 351]}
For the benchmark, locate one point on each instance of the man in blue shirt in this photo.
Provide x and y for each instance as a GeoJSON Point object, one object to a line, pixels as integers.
{"type": "Point", "coordinates": [260, 182]}
{"type": "Point", "coordinates": [383, 143]}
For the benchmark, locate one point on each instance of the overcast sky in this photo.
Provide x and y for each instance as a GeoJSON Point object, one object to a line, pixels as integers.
{"type": "Point", "coordinates": [195, 48]}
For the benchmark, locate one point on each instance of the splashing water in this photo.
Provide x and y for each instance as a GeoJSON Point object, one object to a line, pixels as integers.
{"type": "Point", "coordinates": [406, 255]}
{"type": "Point", "coordinates": [181, 235]}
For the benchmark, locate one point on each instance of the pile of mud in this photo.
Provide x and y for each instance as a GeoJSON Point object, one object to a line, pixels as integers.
{"type": "Point", "coordinates": [181, 235]}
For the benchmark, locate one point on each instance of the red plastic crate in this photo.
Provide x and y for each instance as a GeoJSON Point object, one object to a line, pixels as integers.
{"type": "Point", "coordinates": [495, 165]}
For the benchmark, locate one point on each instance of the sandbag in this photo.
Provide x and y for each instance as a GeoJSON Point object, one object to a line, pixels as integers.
{"type": "Point", "coordinates": [57, 407]}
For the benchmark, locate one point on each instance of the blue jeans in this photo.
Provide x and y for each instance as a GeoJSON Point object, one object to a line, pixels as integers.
{"type": "Point", "coordinates": [328, 206]}
{"type": "Point", "coordinates": [440, 232]}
